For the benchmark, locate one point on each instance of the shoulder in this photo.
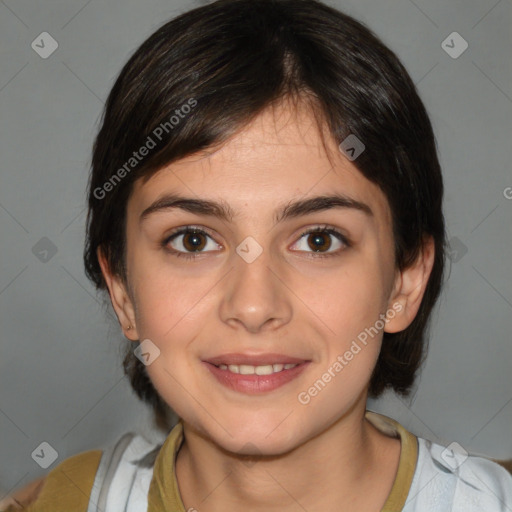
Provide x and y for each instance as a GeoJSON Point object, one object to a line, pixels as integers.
{"type": "Point", "coordinates": [68, 484]}
{"type": "Point", "coordinates": [450, 477]}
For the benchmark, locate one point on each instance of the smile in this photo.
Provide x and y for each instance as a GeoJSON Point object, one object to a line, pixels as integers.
{"type": "Point", "coordinates": [254, 379]}
{"type": "Point", "coordinates": [247, 369]}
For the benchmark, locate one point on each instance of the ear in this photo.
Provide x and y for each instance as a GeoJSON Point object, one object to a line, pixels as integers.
{"type": "Point", "coordinates": [410, 286]}
{"type": "Point", "coordinates": [121, 301]}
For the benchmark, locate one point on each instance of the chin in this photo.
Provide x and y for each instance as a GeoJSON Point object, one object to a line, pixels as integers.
{"type": "Point", "coordinates": [255, 446]}
{"type": "Point", "coordinates": [257, 437]}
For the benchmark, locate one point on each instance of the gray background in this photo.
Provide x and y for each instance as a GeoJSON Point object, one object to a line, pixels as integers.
{"type": "Point", "coordinates": [60, 377]}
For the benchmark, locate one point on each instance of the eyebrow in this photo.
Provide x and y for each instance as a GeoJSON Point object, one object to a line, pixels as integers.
{"type": "Point", "coordinates": [223, 211]}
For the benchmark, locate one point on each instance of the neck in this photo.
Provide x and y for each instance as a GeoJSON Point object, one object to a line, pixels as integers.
{"type": "Point", "coordinates": [339, 469]}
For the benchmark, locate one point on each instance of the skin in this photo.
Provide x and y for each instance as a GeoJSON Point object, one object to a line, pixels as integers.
{"type": "Point", "coordinates": [321, 456]}
{"type": "Point", "coordinates": [23, 497]}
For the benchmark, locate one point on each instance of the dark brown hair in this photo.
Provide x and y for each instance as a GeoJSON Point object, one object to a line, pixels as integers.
{"type": "Point", "coordinates": [232, 59]}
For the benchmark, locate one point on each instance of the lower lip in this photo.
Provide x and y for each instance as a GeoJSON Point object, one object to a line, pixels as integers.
{"type": "Point", "coordinates": [255, 384]}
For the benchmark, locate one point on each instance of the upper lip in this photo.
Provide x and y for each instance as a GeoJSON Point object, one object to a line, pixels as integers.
{"type": "Point", "coordinates": [254, 360]}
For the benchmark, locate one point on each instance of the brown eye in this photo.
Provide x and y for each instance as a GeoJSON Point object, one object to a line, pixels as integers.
{"type": "Point", "coordinates": [319, 241]}
{"type": "Point", "coordinates": [189, 242]}
{"type": "Point", "coordinates": [194, 241]}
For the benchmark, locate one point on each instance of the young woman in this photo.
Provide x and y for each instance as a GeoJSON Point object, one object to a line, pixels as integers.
{"type": "Point", "coordinates": [265, 212]}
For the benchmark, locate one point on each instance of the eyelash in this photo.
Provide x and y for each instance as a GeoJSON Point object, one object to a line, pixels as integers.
{"type": "Point", "coordinates": [324, 229]}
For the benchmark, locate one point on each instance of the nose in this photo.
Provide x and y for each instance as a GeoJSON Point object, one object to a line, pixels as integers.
{"type": "Point", "coordinates": [256, 296]}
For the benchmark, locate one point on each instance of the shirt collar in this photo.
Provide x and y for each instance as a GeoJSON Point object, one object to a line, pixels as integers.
{"type": "Point", "coordinates": [164, 491]}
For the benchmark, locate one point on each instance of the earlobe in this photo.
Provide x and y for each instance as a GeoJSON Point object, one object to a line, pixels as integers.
{"type": "Point", "coordinates": [119, 298]}
{"type": "Point", "coordinates": [410, 286]}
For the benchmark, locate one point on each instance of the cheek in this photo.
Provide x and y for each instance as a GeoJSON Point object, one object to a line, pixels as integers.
{"type": "Point", "coordinates": [172, 312]}
{"type": "Point", "coordinates": [348, 299]}
{"type": "Point", "coordinates": [173, 318]}
{"type": "Point", "coordinates": [351, 346]}
{"type": "Point", "coordinates": [349, 303]}
{"type": "Point", "coordinates": [170, 303]}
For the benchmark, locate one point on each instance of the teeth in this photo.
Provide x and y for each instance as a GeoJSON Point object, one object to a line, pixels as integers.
{"type": "Point", "coordinates": [264, 370]}
{"type": "Point", "coordinates": [247, 369]}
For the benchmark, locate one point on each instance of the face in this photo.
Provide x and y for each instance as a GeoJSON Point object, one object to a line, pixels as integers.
{"type": "Point", "coordinates": [270, 285]}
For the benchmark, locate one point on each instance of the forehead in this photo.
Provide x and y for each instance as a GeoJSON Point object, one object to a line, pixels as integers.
{"type": "Point", "coordinates": [278, 157]}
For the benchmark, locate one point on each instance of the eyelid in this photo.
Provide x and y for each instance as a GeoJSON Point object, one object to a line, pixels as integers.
{"type": "Point", "coordinates": [183, 230]}
{"type": "Point", "coordinates": [190, 228]}
{"type": "Point", "coordinates": [330, 230]}
{"type": "Point", "coordinates": [327, 228]}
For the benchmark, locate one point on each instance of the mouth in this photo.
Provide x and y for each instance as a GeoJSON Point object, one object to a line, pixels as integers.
{"type": "Point", "coordinates": [247, 369]}
{"type": "Point", "coordinates": [255, 374]}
